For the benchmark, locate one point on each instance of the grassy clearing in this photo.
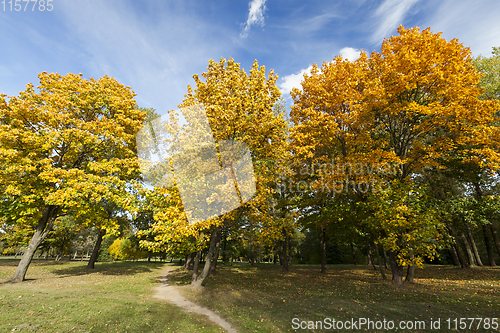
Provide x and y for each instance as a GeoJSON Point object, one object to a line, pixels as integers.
{"type": "Point", "coordinates": [115, 297]}
{"type": "Point", "coordinates": [263, 299]}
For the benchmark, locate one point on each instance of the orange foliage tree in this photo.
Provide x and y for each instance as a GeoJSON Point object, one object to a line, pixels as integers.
{"type": "Point", "coordinates": [414, 105]}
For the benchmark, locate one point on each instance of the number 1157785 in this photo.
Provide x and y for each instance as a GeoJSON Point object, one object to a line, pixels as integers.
{"type": "Point", "coordinates": [26, 5]}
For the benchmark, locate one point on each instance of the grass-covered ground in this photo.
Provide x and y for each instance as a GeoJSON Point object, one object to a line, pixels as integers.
{"type": "Point", "coordinates": [117, 297]}
{"type": "Point", "coordinates": [263, 299]}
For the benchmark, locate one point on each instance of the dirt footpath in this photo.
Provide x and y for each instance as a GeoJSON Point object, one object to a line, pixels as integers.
{"type": "Point", "coordinates": [172, 295]}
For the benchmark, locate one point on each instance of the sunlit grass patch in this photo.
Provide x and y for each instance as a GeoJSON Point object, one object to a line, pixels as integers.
{"type": "Point", "coordinates": [114, 297]}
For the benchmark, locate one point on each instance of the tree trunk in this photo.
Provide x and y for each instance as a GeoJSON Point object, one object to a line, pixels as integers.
{"type": "Point", "coordinates": [397, 271]}
{"type": "Point", "coordinates": [353, 254]}
{"type": "Point", "coordinates": [224, 254]}
{"type": "Point", "coordinates": [379, 262]}
{"type": "Point", "coordinates": [385, 258]}
{"type": "Point", "coordinates": [284, 256]}
{"type": "Point", "coordinates": [461, 256]}
{"type": "Point", "coordinates": [213, 265]}
{"type": "Point", "coordinates": [189, 260]}
{"type": "Point", "coordinates": [458, 248]}
{"type": "Point", "coordinates": [149, 256]}
{"type": "Point", "coordinates": [61, 249]}
{"type": "Point", "coordinates": [454, 256]}
{"type": "Point", "coordinates": [95, 252]}
{"type": "Point", "coordinates": [496, 240]}
{"type": "Point", "coordinates": [252, 254]}
{"type": "Point", "coordinates": [322, 245]}
{"type": "Point", "coordinates": [489, 247]}
{"type": "Point", "coordinates": [411, 269]}
{"type": "Point", "coordinates": [43, 228]}
{"type": "Point", "coordinates": [275, 257]}
{"type": "Point", "coordinates": [39, 255]}
{"type": "Point", "coordinates": [206, 269]}
{"type": "Point", "coordinates": [195, 267]}
{"type": "Point", "coordinates": [368, 253]}
{"type": "Point", "coordinates": [473, 244]}
{"type": "Point", "coordinates": [479, 195]}
{"type": "Point", "coordinates": [280, 252]}
{"type": "Point", "coordinates": [468, 250]}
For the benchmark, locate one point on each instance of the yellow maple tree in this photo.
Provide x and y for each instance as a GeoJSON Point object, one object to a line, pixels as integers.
{"type": "Point", "coordinates": [65, 147]}
{"type": "Point", "coordinates": [240, 108]}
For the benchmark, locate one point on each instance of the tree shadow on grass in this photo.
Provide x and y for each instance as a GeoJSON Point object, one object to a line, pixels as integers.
{"type": "Point", "coordinates": [111, 268]}
{"type": "Point", "coordinates": [9, 262]}
{"type": "Point", "coordinates": [35, 262]}
{"type": "Point", "coordinates": [367, 273]}
{"type": "Point", "coordinates": [454, 273]}
{"type": "Point", "coordinates": [178, 277]}
{"type": "Point", "coordinates": [309, 275]}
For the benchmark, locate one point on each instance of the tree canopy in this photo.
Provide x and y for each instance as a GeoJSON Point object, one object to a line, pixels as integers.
{"type": "Point", "coordinates": [64, 148]}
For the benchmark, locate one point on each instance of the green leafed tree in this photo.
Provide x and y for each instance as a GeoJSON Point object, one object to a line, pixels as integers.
{"type": "Point", "coordinates": [490, 67]}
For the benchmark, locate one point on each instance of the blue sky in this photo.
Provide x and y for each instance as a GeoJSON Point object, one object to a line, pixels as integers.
{"type": "Point", "coordinates": [155, 46]}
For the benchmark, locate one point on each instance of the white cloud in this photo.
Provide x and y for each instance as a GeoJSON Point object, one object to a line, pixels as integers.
{"type": "Point", "coordinates": [350, 53]}
{"type": "Point", "coordinates": [390, 15]}
{"type": "Point", "coordinates": [293, 81]}
{"type": "Point", "coordinates": [255, 15]}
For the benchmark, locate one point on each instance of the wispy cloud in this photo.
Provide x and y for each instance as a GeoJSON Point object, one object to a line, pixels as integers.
{"type": "Point", "coordinates": [350, 53]}
{"type": "Point", "coordinates": [389, 15]}
{"type": "Point", "coordinates": [157, 46]}
{"type": "Point", "coordinates": [255, 16]}
{"type": "Point", "coordinates": [147, 56]}
{"type": "Point", "coordinates": [293, 81]}
{"type": "Point", "coordinates": [312, 24]}
{"type": "Point", "coordinates": [476, 26]}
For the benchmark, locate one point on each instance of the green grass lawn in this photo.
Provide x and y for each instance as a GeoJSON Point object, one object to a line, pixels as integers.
{"type": "Point", "coordinates": [263, 299]}
{"type": "Point", "coordinates": [115, 297]}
